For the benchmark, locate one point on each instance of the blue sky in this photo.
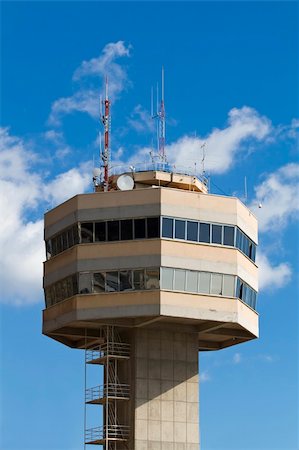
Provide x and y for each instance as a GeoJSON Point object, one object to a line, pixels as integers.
{"type": "Point", "coordinates": [231, 74]}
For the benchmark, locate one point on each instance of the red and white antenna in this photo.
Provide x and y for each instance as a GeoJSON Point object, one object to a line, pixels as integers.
{"type": "Point", "coordinates": [106, 119]}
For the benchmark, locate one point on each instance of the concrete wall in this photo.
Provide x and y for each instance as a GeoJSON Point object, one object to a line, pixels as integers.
{"type": "Point", "coordinates": [166, 390]}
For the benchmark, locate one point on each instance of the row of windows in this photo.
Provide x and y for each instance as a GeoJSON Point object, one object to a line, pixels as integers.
{"type": "Point", "coordinates": [147, 228]}
{"type": "Point", "coordinates": [151, 278]}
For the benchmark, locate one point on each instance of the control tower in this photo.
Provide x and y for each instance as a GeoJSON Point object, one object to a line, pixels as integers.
{"type": "Point", "coordinates": [143, 276]}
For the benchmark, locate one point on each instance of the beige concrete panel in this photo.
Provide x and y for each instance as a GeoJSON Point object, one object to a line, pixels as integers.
{"type": "Point", "coordinates": [192, 413]}
{"type": "Point", "coordinates": [154, 351]}
{"type": "Point", "coordinates": [166, 349]}
{"type": "Point", "coordinates": [192, 369]}
{"type": "Point", "coordinates": [154, 445]}
{"type": "Point", "coordinates": [167, 410]}
{"type": "Point", "coordinates": [141, 445]}
{"type": "Point", "coordinates": [167, 369]}
{"type": "Point", "coordinates": [154, 389]}
{"type": "Point", "coordinates": [141, 409]}
{"type": "Point", "coordinates": [192, 446]}
{"type": "Point", "coordinates": [180, 392]}
{"type": "Point", "coordinates": [248, 320]}
{"type": "Point", "coordinates": [154, 430]}
{"type": "Point", "coordinates": [179, 370]}
{"type": "Point", "coordinates": [141, 429]}
{"type": "Point", "coordinates": [180, 432]}
{"type": "Point", "coordinates": [192, 433]}
{"type": "Point", "coordinates": [59, 212]}
{"type": "Point", "coordinates": [141, 365]}
{"type": "Point", "coordinates": [154, 369]}
{"type": "Point", "coordinates": [180, 411]}
{"type": "Point", "coordinates": [179, 446]}
{"type": "Point", "coordinates": [192, 392]}
{"type": "Point", "coordinates": [179, 350]}
{"type": "Point", "coordinates": [167, 431]}
{"type": "Point", "coordinates": [167, 390]}
{"type": "Point", "coordinates": [141, 389]}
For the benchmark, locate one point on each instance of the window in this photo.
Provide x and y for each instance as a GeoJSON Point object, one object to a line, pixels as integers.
{"type": "Point", "coordinates": [58, 244]}
{"type": "Point", "coordinates": [139, 228]}
{"type": "Point", "coordinates": [69, 285]}
{"type": "Point", "coordinates": [85, 283]}
{"type": "Point", "coordinates": [49, 248]}
{"type": "Point", "coordinates": [191, 281]}
{"type": "Point", "coordinates": [167, 227]}
{"type": "Point", "coordinates": [192, 231]}
{"type": "Point", "coordinates": [180, 227]}
{"type": "Point", "coordinates": [204, 282]}
{"type": "Point", "coordinates": [126, 229]}
{"type": "Point", "coordinates": [138, 279]}
{"type": "Point", "coordinates": [228, 286]}
{"type": "Point", "coordinates": [99, 282]}
{"type": "Point", "coordinates": [86, 232]}
{"type": "Point", "coordinates": [152, 279]}
{"type": "Point", "coordinates": [204, 232]}
{"type": "Point", "coordinates": [228, 235]}
{"type": "Point", "coordinates": [100, 231]}
{"type": "Point", "coordinates": [70, 237]}
{"type": "Point", "coordinates": [75, 229]}
{"type": "Point", "coordinates": [179, 279]}
{"type": "Point", "coordinates": [75, 284]}
{"type": "Point", "coordinates": [167, 278]}
{"type": "Point", "coordinates": [153, 227]}
{"type": "Point", "coordinates": [125, 280]}
{"type": "Point", "coordinates": [64, 241]}
{"type": "Point", "coordinates": [113, 230]}
{"type": "Point", "coordinates": [112, 284]}
{"type": "Point", "coordinates": [216, 234]}
{"type": "Point", "coordinates": [216, 284]}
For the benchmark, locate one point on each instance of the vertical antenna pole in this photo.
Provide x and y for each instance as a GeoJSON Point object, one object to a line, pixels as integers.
{"type": "Point", "coordinates": [162, 122]}
{"type": "Point", "coordinates": [105, 153]}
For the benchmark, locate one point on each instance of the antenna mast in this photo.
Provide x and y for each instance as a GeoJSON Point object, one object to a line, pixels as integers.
{"type": "Point", "coordinates": [161, 115]}
{"type": "Point", "coordinates": [105, 153]}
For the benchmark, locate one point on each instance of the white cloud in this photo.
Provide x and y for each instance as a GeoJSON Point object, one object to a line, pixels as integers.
{"type": "Point", "coordinates": [223, 146]}
{"type": "Point", "coordinates": [24, 195]}
{"type": "Point", "coordinates": [237, 358]}
{"type": "Point", "coordinates": [86, 99]}
{"type": "Point", "coordinates": [278, 194]}
{"type": "Point", "coordinates": [204, 376]}
{"type": "Point", "coordinates": [272, 276]}
{"type": "Point", "coordinates": [141, 120]}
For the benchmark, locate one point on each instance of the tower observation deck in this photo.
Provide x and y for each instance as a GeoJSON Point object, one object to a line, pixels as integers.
{"type": "Point", "coordinates": [142, 280]}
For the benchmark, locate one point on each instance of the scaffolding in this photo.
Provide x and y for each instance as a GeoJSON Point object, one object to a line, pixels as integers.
{"type": "Point", "coordinates": [109, 354]}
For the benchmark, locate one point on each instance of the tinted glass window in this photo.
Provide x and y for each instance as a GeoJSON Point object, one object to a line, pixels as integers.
{"type": "Point", "coordinates": [179, 279]}
{"type": "Point", "coordinates": [238, 239]}
{"type": "Point", "coordinates": [112, 284]}
{"type": "Point", "coordinates": [49, 248]}
{"type": "Point", "coordinates": [76, 234]}
{"type": "Point", "coordinates": [126, 229]}
{"type": "Point", "coordinates": [70, 237]}
{"type": "Point", "coordinates": [180, 226]}
{"type": "Point", "coordinates": [253, 252]}
{"type": "Point", "coordinates": [228, 285]}
{"type": "Point", "coordinates": [54, 246]}
{"type": "Point", "coordinates": [75, 284]}
{"type": "Point", "coordinates": [153, 227]}
{"type": "Point", "coordinates": [204, 282]}
{"type": "Point", "coordinates": [86, 232]}
{"type": "Point", "coordinates": [64, 241]}
{"type": "Point", "coordinates": [167, 278]}
{"type": "Point", "coordinates": [58, 244]}
{"type": "Point", "coordinates": [192, 231]}
{"type": "Point", "coordinates": [99, 282]}
{"type": "Point", "coordinates": [191, 281]}
{"type": "Point", "coordinates": [216, 285]}
{"type": "Point", "coordinates": [204, 232]}
{"type": "Point", "coordinates": [138, 279]}
{"type": "Point", "coordinates": [152, 279]}
{"type": "Point", "coordinates": [167, 227]}
{"type": "Point", "coordinates": [228, 235]}
{"type": "Point", "coordinates": [100, 231]}
{"type": "Point", "coordinates": [125, 280]}
{"type": "Point", "coordinates": [69, 287]}
{"type": "Point", "coordinates": [139, 228]}
{"type": "Point", "coordinates": [216, 234]}
{"type": "Point", "coordinates": [113, 230]}
{"type": "Point", "coordinates": [84, 283]}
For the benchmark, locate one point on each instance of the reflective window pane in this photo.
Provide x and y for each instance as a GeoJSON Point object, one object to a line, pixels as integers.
{"type": "Point", "coordinates": [191, 281]}
{"type": "Point", "coordinates": [113, 230]}
{"type": "Point", "coordinates": [204, 232]}
{"type": "Point", "coordinates": [99, 282]}
{"type": "Point", "coordinates": [86, 232]}
{"type": "Point", "coordinates": [126, 229]}
{"type": "Point", "coordinates": [167, 227]}
{"type": "Point", "coordinates": [49, 248]}
{"type": "Point", "coordinates": [139, 279]}
{"type": "Point", "coordinates": [58, 244]}
{"type": "Point", "coordinates": [238, 239]}
{"type": "Point", "coordinates": [54, 246]}
{"type": "Point", "coordinates": [167, 278]}
{"type": "Point", "coordinates": [153, 227]}
{"type": "Point", "coordinates": [228, 285]}
{"type": "Point", "coordinates": [85, 283]}
{"type": "Point", "coordinates": [192, 231]}
{"type": "Point", "coordinates": [216, 234]}
{"type": "Point", "coordinates": [180, 227]}
{"type": "Point", "coordinates": [100, 231]}
{"type": "Point", "coordinates": [69, 286]}
{"type": "Point", "coordinates": [70, 237]}
{"type": "Point", "coordinates": [216, 284]}
{"type": "Point", "coordinates": [76, 234]}
{"type": "Point", "coordinates": [228, 235]}
{"type": "Point", "coordinates": [152, 279]}
{"type": "Point", "coordinates": [179, 279]}
{"type": "Point", "coordinates": [64, 289]}
{"type": "Point", "coordinates": [125, 280]}
{"type": "Point", "coordinates": [139, 228]}
{"type": "Point", "coordinates": [253, 252]}
{"type": "Point", "coordinates": [64, 240]}
{"type": "Point", "coordinates": [112, 284]}
{"type": "Point", "coordinates": [204, 282]}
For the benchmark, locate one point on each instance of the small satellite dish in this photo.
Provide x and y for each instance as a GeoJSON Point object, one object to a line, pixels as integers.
{"type": "Point", "coordinates": [96, 172]}
{"type": "Point", "coordinates": [125, 183]}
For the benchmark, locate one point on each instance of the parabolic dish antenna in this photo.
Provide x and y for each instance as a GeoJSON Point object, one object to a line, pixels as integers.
{"type": "Point", "coordinates": [125, 183]}
{"type": "Point", "coordinates": [96, 172]}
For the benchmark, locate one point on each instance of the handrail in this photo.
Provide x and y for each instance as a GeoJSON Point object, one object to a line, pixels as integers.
{"type": "Point", "coordinates": [115, 349]}
{"type": "Point", "coordinates": [119, 390]}
{"type": "Point", "coordinates": [120, 432]}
